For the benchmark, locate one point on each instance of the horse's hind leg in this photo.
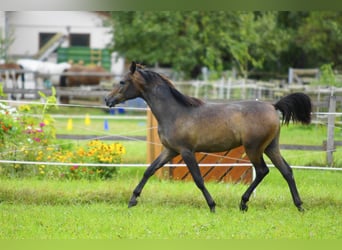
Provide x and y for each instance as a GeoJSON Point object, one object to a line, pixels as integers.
{"type": "Point", "coordinates": [163, 158]}
{"type": "Point", "coordinates": [261, 170]}
{"type": "Point", "coordinates": [274, 154]}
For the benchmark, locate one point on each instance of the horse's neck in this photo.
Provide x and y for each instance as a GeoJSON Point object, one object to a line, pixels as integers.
{"type": "Point", "coordinates": [164, 107]}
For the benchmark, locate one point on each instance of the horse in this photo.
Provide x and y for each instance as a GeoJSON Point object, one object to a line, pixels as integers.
{"type": "Point", "coordinates": [12, 71]}
{"type": "Point", "coordinates": [92, 76]}
{"type": "Point", "coordinates": [187, 125]}
{"type": "Point", "coordinates": [46, 70]}
{"type": "Point", "coordinates": [12, 67]}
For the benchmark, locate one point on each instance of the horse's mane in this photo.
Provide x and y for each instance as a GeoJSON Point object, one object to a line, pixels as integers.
{"type": "Point", "coordinates": [151, 76]}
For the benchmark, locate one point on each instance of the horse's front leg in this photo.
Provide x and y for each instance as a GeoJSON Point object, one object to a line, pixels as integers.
{"type": "Point", "coordinates": [162, 159]}
{"type": "Point", "coordinates": [190, 160]}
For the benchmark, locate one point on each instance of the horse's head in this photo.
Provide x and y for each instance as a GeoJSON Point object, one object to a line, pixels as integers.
{"type": "Point", "coordinates": [128, 88]}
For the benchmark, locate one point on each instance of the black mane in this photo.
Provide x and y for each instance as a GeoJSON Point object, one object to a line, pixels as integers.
{"type": "Point", "coordinates": [155, 78]}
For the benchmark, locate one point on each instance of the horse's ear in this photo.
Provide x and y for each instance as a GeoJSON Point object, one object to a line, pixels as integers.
{"type": "Point", "coordinates": [133, 67]}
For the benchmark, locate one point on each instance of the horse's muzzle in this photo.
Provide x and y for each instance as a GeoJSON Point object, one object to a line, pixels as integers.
{"type": "Point", "coordinates": [110, 101]}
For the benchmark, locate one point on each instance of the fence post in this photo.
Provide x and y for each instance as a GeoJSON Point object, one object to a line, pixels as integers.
{"type": "Point", "coordinates": [331, 125]}
{"type": "Point", "coordinates": [290, 78]}
{"type": "Point", "coordinates": [154, 146]}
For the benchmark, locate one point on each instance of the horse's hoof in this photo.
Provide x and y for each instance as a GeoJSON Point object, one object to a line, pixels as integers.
{"type": "Point", "coordinates": [300, 209]}
{"type": "Point", "coordinates": [212, 210]}
{"type": "Point", "coordinates": [243, 207]}
{"type": "Point", "coordinates": [132, 203]}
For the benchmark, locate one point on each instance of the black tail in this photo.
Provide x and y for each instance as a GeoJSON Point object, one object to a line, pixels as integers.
{"type": "Point", "coordinates": [296, 107]}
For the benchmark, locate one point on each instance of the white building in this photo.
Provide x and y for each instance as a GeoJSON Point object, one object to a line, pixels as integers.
{"type": "Point", "coordinates": [31, 30]}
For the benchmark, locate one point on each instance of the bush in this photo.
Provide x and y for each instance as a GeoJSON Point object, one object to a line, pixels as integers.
{"type": "Point", "coordinates": [27, 133]}
{"type": "Point", "coordinates": [93, 152]}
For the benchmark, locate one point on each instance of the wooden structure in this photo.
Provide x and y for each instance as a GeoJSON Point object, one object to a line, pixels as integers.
{"type": "Point", "coordinates": [233, 174]}
{"type": "Point", "coordinates": [303, 76]}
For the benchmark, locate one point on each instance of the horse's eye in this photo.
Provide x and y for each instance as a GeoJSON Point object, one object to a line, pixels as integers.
{"type": "Point", "coordinates": [122, 82]}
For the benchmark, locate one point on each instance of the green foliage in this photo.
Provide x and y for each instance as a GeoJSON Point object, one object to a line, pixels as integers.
{"type": "Point", "coordinates": [5, 43]}
{"type": "Point", "coordinates": [190, 39]}
{"type": "Point", "coordinates": [220, 40]}
{"type": "Point", "coordinates": [9, 124]}
{"type": "Point", "coordinates": [2, 94]}
{"type": "Point", "coordinates": [93, 152]}
{"type": "Point", "coordinates": [29, 134]}
{"type": "Point", "coordinates": [320, 35]}
{"type": "Point", "coordinates": [327, 75]}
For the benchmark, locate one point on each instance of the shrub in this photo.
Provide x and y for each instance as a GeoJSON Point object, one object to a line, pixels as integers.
{"type": "Point", "coordinates": [94, 151]}
{"type": "Point", "coordinates": [27, 133]}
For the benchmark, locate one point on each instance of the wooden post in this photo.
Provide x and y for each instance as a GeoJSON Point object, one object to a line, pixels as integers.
{"type": "Point", "coordinates": [331, 124]}
{"type": "Point", "coordinates": [154, 146]}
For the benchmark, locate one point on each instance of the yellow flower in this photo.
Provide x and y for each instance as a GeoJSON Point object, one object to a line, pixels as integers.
{"type": "Point", "coordinates": [24, 108]}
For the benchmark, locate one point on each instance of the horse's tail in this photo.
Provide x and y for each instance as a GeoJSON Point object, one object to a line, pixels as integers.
{"type": "Point", "coordinates": [296, 107]}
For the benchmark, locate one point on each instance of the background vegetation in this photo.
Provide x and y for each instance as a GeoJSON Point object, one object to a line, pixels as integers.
{"type": "Point", "coordinates": [252, 42]}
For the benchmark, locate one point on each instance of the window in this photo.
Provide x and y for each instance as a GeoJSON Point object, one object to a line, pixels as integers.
{"type": "Point", "coordinates": [44, 38]}
{"type": "Point", "coordinates": [80, 40]}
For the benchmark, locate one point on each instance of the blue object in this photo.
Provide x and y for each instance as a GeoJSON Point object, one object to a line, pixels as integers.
{"type": "Point", "coordinates": [106, 125]}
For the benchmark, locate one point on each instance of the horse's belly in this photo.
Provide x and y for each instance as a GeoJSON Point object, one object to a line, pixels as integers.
{"type": "Point", "coordinates": [221, 143]}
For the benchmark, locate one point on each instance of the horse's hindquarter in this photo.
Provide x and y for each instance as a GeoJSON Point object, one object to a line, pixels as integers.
{"type": "Point", "coordinates": [221, 127]}
{"type": "Point", "coordinates": [259, 124]}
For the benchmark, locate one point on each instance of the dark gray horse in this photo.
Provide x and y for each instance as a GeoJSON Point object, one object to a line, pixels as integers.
{"type": "Point", "coordinates": [187, 125]}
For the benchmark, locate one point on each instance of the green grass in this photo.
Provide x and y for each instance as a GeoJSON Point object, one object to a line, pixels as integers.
{"type": "Point", "coordinates": [124, 127]}
{"type": "Point", "coordinates": [33, 209]}
{"type": "Point", "coordinates": [135, 152]}
{"type": "Point", "coordinates": [306, 135]}
{"type": "Point", "coordinates": [309, 135]}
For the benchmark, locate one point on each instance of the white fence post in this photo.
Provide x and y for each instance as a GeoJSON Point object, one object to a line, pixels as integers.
{"type": "Point", "coordinates": [331, 125]}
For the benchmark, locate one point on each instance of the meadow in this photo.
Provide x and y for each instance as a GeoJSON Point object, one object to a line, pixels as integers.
{"type": "Point", "coordinates": [36, 209]}
{"type": "Point", "coordinates": [83, 209]}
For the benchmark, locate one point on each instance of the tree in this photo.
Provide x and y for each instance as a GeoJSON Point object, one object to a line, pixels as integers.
{"type": "Point", "coordinates": [185, 40]}
{"type": "Point", "coordinates": [256, 40]}
{"type": "Point", "coordinates": [5, 43]}
{"type": "Point", "coordinates": [320, 36]}
{"type": "Point", "coordinates": [220, 40]}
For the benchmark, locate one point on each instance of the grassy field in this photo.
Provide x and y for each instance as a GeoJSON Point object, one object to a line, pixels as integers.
{"type": "Point", "coordinates": [33, 209]}
{"type": "Point", "coordinates": [51, 209]}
